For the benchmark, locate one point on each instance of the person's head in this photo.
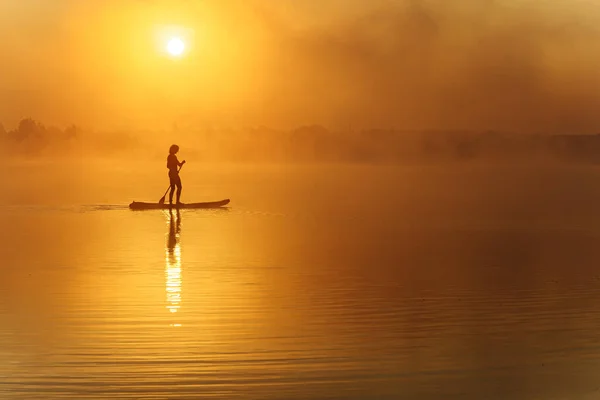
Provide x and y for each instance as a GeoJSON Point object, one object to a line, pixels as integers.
{"type": "Point", "coordinates": [173, 149]}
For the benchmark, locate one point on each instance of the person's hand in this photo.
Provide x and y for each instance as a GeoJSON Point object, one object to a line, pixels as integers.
{"type": "Point", "coordinates": [183, 162]}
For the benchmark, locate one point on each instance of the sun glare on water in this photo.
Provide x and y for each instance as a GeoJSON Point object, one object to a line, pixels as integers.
{"type": "Point", "coordinates": [176, 47]}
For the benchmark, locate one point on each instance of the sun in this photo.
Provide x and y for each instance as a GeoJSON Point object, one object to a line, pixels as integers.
{"type": "Point", "coordinates": [176, 46]}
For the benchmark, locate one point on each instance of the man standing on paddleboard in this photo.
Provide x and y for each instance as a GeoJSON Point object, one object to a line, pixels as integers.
{"type": "Point", "coordinates": [173, 164]}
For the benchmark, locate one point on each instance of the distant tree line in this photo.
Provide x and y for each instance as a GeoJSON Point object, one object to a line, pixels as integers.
{"type": "Point", "coordinates": [318, 144]}
{"type": "Point", "coordinates": [311, 143]}
{"type": "Point", "coordinates": [33, 138]}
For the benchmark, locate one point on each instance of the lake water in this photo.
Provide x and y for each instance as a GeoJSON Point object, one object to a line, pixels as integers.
{"type": "Point", "coordinates": [435, 282]}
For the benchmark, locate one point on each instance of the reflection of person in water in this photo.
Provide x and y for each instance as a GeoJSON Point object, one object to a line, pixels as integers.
{"type": "Point", "coordinates": [174, 231]}
{"type": "Point", "coordinates": [173, 264]}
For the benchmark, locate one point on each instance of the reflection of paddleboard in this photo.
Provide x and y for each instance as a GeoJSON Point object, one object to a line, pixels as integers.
{"type": "Point", "coordinates": [137, 205]}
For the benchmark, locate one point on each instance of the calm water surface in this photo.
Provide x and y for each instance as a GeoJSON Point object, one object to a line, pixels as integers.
{"type": "Point", "coordinates": [333, 282]}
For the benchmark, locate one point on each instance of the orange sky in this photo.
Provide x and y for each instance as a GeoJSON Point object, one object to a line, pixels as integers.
{"type": "Point", "coordinates": [514, 64]}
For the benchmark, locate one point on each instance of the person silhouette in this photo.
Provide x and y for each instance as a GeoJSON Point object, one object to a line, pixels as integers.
{"type": "Point", "coordinates": [174, 178]}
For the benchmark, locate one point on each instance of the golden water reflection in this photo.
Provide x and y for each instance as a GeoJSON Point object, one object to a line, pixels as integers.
{"type": "Point", "coordinates": [173, 264]}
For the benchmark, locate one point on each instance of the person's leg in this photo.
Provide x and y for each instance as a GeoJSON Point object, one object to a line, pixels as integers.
{"type": "Point", "coordinates": [171, 193]}
{"type": "Point", "coordinates": [179, 188]}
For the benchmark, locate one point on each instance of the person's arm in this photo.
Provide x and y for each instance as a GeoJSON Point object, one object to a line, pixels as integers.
{"type": "Point", "coordinates": [179, 164]}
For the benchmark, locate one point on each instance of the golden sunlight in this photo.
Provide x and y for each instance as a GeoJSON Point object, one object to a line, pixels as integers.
{"type": "Point", "coordinates": [176, 47]}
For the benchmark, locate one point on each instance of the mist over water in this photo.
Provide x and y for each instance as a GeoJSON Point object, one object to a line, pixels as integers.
{"type": "Point", "coordinates": [370, 282]}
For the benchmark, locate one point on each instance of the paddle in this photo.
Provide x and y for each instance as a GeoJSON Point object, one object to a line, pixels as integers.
{"type": "Point", "coordinates": [162, 199]}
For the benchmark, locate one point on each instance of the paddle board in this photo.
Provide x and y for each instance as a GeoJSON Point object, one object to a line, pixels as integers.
{"type": "Point", "coordinates": [138, 205]}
